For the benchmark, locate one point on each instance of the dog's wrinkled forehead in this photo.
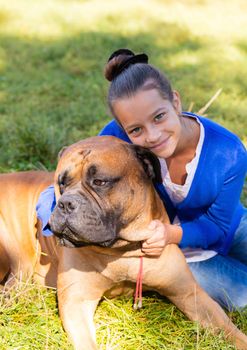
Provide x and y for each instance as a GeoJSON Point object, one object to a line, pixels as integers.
{"type": "Point", "coordinates": [105, 151]}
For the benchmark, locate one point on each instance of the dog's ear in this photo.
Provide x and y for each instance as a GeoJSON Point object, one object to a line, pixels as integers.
{"type": "Point", "coordinates": [61, 152]}
{"type": "Point", "coordinates": [150, 163]}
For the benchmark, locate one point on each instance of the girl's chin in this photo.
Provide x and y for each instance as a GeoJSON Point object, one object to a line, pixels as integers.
{"type": "Point", "coordinates": [165, 153]}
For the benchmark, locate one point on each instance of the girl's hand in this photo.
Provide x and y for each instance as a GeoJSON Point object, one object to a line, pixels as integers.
{"type": "Point", "coordinates": [161, 235]}
{"type": "Point", "coordinates": [154, 245]}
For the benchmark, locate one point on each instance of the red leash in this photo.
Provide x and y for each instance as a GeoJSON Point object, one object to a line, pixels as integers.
{"type": "Point", "coordinates": [138, 291]}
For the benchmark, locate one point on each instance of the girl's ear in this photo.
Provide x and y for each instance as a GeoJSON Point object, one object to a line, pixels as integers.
{"type": "Point", "coordinates": [149, 161]}
{"type": "Point", "coordinates": [177, 102]}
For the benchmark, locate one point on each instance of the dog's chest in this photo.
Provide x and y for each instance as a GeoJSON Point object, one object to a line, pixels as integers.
{"type": "Point", "coordinates": [127, 269]}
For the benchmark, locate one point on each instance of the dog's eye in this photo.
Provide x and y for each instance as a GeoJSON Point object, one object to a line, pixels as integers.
{"type": "Point", "coordinates": [63, 181]}
{"type": "Point", "coordinates": [61, 188]}
{"type": "Point", "coordinates": [98, 182]}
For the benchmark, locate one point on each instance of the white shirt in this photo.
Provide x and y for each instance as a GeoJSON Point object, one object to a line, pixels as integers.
{"type": "Point", "coordinates": [178, 193]}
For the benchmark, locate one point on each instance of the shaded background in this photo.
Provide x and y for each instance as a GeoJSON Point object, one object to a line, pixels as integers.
{"type": "Point", "coordinates": [52, 55]}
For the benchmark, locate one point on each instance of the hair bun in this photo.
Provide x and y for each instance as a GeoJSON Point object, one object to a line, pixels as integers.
{"type": "Point", "coordinates": [120, 60]}
{"type": "Point", "coordinates": [116, 53]}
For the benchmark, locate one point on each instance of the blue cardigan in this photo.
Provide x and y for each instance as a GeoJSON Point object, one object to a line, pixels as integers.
{"type": "Point", "coordinates": [211, 212]}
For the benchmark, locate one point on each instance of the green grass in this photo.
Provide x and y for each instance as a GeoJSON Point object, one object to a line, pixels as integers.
{"type": "Point", "coordinates": [29, 320]}
{"type": "Point", "coordinates": [52, 93]}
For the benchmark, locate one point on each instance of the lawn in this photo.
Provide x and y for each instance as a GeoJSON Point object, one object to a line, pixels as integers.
{"type": "Point", "coordinates": [53, 93]}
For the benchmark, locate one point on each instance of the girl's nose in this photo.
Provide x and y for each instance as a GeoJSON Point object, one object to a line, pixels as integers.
{"type": "Point", "coordinates": [153, 135]}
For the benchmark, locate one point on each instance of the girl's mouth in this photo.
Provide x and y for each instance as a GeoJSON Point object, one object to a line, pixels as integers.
{"type": "Point", "coordinates": [160, 145]}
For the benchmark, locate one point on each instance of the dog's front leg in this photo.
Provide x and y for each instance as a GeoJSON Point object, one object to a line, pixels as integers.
{"type": "Point", "coordinates": [79, 289]}
{"type": "Point", "coordinates": [77, 318]}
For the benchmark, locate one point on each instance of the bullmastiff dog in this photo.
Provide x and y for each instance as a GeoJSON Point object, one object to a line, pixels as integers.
{"type": "Point", "coordinates": [105, 199]}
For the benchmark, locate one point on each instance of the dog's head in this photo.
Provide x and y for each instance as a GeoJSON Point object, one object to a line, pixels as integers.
{"type": "Point", "coordinates": [101, 187]}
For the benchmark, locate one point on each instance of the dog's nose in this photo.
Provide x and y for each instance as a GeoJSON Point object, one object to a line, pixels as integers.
{"type": "Point", "coordinates": [67, 204]}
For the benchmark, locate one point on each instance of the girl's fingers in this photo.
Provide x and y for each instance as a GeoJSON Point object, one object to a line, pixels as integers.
{"type": "Point", "coordinates": [158, 245]}
{"type": "Point", "coordinates": [153, 249]}
{"type": "Point", "coordinates": [152, 225]}
{"type": "Point", "coordinates": [153, 252]}
{"type": "Point", "coordinates": [158, 237]}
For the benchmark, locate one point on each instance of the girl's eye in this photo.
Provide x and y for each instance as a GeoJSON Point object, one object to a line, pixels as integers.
{"type": "Point", "coordinates": [159, 116]}
{"type": "Point", "coordinates": [98, 182]}
{"type": "Point", "coordinates": [135, 131]}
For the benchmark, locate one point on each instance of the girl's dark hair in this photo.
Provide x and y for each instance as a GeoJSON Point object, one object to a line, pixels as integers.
{"type": "Point", "coordinates": [129, 73]}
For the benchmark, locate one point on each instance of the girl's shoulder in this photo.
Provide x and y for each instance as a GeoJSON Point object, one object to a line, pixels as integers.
{"type": "Point", "coordinates": [114, 129]}
{"type": "Point", "coordinates": [222, 149]}
{"type": "Point", "coordinates": [218, 135]}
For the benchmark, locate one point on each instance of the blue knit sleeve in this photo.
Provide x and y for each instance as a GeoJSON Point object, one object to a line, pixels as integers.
{"type": "Point", "coordinates": [46, 204]}
{"type": "Point", "coordinates": [215, 228]}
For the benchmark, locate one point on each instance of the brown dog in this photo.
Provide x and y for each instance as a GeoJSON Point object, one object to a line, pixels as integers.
{"type": "Point", "coordinates": [105, 199]}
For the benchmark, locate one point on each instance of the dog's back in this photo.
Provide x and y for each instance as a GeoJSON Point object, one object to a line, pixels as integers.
{"type": "Point", "coordinates": [18, 221]}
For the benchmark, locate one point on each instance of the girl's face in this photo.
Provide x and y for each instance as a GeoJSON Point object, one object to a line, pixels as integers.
{"type": "Point", "coordinates": [151, 121]}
